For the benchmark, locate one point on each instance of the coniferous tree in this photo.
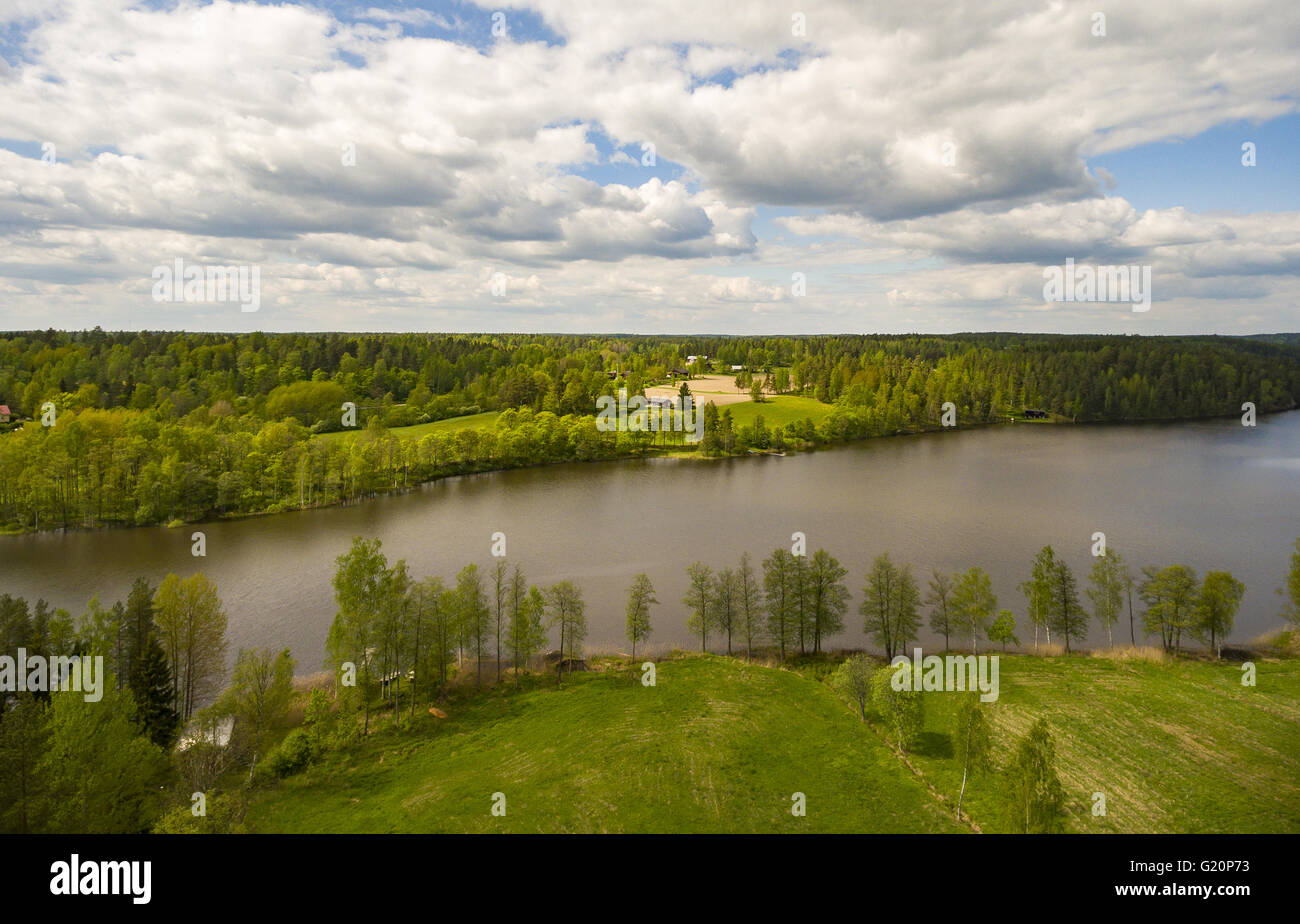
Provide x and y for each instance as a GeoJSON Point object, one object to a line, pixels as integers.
{"type": "Point", "coordinates": [155, 695]}
{"type": "Point", "coordinates": [1065, 615]}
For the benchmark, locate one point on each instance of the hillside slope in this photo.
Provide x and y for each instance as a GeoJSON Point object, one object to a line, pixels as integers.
{"type": "Point", "coordinates": [720, 745]}
{"type": "Point", "coordinates": [717, 745]}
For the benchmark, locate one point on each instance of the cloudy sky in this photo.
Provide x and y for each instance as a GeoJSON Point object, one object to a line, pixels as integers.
{"type": "Point", "coordinates": [658, 166]}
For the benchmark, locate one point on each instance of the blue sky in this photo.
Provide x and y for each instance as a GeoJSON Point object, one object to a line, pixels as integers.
{"type": "Point", "coordinates": [1205, 172]}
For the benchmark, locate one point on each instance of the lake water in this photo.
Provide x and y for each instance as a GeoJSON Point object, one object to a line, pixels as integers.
{"type": "Point", "coordinates": [1208, 494]}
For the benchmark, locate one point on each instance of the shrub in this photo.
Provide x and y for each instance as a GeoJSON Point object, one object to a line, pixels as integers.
{"type": "Point", "coordinates": [295, 752]}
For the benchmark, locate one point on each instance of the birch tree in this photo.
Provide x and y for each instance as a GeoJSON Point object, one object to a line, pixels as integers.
{"type": "Point", "coordinates": [640, 597]}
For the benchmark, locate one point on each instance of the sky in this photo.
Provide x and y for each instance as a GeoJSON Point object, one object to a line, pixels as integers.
{"type": "Point", "coordinates": [788, 167]}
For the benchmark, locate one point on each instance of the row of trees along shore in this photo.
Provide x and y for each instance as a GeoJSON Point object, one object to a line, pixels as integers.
{"type": "Point", "coordinates": [168, 725]}
{"type": "Point", "coordinates": [157, 427]}
{"type": "Point", "coordinates": [800, 601]}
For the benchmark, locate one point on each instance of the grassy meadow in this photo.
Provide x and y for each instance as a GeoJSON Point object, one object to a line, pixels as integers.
{"type": "Point", "coordinates": [779, 411]}
{"type": "Point", "coordinates": [720, 745]}
{"type": "Point", "coordinates": [487, 420]}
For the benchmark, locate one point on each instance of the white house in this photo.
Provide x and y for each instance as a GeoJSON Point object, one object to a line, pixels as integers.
{"type": "Point", "coordinates": [218, 734]}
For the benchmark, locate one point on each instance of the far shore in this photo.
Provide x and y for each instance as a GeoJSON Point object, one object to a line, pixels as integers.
{"type": "Point", "coordinates": [683, 453]}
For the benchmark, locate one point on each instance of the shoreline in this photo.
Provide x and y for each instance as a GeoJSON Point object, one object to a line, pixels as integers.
{"type": "Point", "coordinates": [668, 454]}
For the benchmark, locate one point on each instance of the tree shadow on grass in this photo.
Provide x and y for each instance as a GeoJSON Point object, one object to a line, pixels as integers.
{"type": "Point", "coordinates": [934, 744]}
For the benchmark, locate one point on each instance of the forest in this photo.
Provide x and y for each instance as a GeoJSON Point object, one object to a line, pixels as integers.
{"type": "Point", "coordinates": [164, 427]}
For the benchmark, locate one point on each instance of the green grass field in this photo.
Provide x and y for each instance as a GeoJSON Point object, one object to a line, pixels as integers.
{"type": "Point", "coordinates": [1178, 746]}
{"type": "Point", "coordinates": [779, 411]}
{"type": "Point", "coordinates": [486, 420]}
{"type": "Point", "coordinates": [720, 745]}
{"type": "Point", "coordinates": [716, 745]}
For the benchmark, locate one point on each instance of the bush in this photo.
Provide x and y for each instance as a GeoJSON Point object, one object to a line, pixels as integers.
{"type": "Point", "coordinates": [853, 680]}
{"type": "Point", "coordinates": [224, 815]}
{"type": "Point", "coordinates": [295, 752]}
{"type": "Point", "coordinates": [903, 711]}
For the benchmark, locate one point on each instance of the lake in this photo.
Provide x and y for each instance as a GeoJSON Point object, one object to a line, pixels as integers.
{"type": "Point", "coordinates": [1208, 494]}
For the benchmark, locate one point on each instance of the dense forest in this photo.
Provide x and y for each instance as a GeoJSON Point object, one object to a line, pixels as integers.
{"type": "Point", "coordinates": [155, 427]}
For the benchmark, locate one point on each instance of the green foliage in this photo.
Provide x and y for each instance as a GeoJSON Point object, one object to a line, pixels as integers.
{"type": "Point", "coordinates": [432, 632]}
{"type": "Point", "coordinates": [259, 693]}
{"type": "Point", "coordinates": [224, 814]}
{"type": "Point", "coordinates": [1064, 614]}
{"type": "Point", "coordinates": [939, 598]}
{"type": "Point", "coordinates": [101, 776]}
{"type": "Point", "coordinates": [1108, 582]}
{"type": "Point", "coordinates": [191, 625]}
{"type": "Point", "coordinates": [749, 604]}
{"type": "Point", "coordinates": [1038, 799]}
{"type": "Point", "coordinates": [473, 614]}
{"type": "Point", "coordinates": [903, 711]}
{"type": "Point", "coordinates": [368, 593]}
{"type": "Point", "coordinates": [1291, 589]}
{"type": "Point", "coordinates": [527, 629]}
{"type": "Point", "coordinates": [780, 584]}
{"type": "Point", "coordinates": [307, 402]}
{"type": "Point", "coordinates": [1003, 629]}
{"type": "Point", "coordinates": [155, 695]}
{"type": "Point", "coordinates": [1216, 607]}
{"type": "Point", "coordinates": [828, 598]}
{"type": "Point", "coordinates": [161, 427]}
{"type": "Point", "coordinates": [972, 740]}
{"type": "Point", "coordinates": [699, 600]}
{"type": "Point", "coordinates": [973, 602]}
{"type": "Point", "coordinates": [1170, 596]}
{"type": "Point", "coordinates": [853, 679]}
{"type": "Point", "coordinates": [293, 754]}
{"type": "Point", "coordinates": [568, 613]}
{"type": "Point", "coordinates": [640, 597]}
{"type": "Point", "coordinates": [889, 605]}
{"type": "Point", "coordinates": [24, 736]}
{"type": "Point", "coordinates": [319, 718]}
{"type": "Point", "coordinates": [1038, 592]}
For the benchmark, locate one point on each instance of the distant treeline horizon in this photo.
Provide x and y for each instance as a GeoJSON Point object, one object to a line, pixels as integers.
{"type": "Point", "coordinates": [147, 428]}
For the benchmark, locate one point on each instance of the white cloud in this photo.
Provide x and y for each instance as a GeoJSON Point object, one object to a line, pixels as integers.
{"type": "Point", "coordinates": [937, 150]}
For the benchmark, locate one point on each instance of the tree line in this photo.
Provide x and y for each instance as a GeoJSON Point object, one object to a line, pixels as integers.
{"type": "Point", "coordinates": [153, 427]}
{"type": "Point", "coordinates": [68, 765]}
{"type": "Point", "coordinates": [799, 601]}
